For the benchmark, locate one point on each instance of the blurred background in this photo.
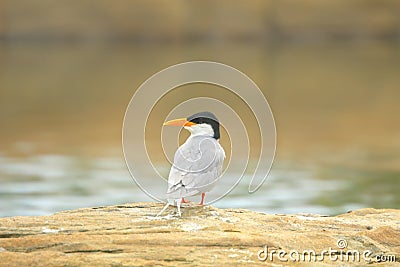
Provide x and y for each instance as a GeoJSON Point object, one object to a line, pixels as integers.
{"type": "Point", "coordinates": [329, 69]}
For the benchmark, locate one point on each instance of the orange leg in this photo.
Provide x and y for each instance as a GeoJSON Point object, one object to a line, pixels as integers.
{"type": "Point", "coordinates": [184, 201]}
{"type": "Point", "coordinates": [202, 199]}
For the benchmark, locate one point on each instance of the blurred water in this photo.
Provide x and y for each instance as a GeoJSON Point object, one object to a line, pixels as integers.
{"type": "Point", "coordinates": [47, 183]}
{"type": "Point", "coordinates": [44, 184]}
{"type": "Point", "coordinates": [336, 110]}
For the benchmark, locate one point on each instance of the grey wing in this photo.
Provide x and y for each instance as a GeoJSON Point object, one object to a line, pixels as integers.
{"type": "Point", "coordinates": [197, 165]}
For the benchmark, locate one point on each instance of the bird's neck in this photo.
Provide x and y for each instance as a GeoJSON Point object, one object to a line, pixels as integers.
{"type": "Point", "coordinates": [201, 130]}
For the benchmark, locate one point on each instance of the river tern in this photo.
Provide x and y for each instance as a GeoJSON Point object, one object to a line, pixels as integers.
{"type": "Point", "coordinates": [198, 162]}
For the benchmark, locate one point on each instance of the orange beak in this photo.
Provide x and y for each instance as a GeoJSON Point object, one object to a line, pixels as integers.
{"type": "Point", "coordinates": [179, 122]}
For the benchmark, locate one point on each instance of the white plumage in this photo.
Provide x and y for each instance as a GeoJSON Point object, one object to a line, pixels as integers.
{"type": "Point", "coordinates": [197, 164]}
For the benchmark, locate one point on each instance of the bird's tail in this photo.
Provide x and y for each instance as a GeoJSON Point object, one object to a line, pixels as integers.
{"type": "Point", "coordinates": [179, 193]}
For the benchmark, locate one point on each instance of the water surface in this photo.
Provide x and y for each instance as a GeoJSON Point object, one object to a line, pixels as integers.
{"type": "Point", "coordinates": [335, 105]}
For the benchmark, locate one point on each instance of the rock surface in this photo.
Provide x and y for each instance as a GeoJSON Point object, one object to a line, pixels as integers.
{"type": "Point", "coordinates": [131, 235]}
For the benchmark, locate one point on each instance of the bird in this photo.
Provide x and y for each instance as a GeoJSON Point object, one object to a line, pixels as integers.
{"type": "Point", "coordinates": [198, 162]}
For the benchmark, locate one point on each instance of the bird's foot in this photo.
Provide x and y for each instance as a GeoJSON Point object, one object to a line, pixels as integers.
{"type": "Point", "coordinates": [202, 199]}
{"type": "Point", "coordinates": [185, 201]}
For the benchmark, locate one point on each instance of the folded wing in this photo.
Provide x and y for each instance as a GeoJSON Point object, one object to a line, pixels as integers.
{"type": "Point", "coordinates": [197, 166]}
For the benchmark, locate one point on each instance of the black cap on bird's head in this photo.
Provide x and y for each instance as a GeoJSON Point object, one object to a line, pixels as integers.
{"type": "Point", "coordinates": [198, 118]}
{"type": "Point", "coordinates": [206, 117]}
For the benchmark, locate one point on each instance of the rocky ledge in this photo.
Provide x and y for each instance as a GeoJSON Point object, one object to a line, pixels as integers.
{"type": "Point", "coordinates": [131, 235]}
